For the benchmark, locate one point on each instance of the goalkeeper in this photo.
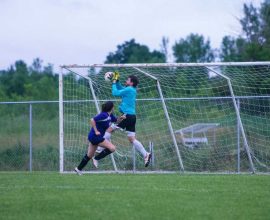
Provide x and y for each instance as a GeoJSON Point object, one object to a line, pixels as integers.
{"type": "Point", "coordinates": [127, 109]}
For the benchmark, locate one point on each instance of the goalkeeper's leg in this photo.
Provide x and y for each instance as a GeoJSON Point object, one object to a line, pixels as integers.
{"type": "Point", "coordinates": [129, 124]}
{"type": "Point", "coordinates": [139, 147]}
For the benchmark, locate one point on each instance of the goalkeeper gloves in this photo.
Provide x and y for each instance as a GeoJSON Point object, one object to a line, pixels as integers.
{"type": "Point", "coordinates": [116, 76]}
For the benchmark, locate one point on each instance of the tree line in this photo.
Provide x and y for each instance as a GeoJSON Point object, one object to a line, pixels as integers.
{"type": "Point", "coordinates": [39, 82]}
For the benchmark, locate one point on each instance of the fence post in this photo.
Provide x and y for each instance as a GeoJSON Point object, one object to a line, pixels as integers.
{"type": "Point", "coordinates": [61, 122]}
{"type": "Point", "coordinates": [30, 137]}
{"type": "Point", "coordinates": [151, 149]}
{"type": "Point", "coordinates": [134, 159]}
{"type": "Point", "coordinates": [238, 139]}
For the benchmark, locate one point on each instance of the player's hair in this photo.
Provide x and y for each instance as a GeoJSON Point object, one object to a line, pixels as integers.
{"type": "Point", "coordinates": [107, 106]}
{"type": "Point", "coordinates": [134, 79]}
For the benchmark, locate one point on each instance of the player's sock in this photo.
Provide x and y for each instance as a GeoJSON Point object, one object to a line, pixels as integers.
{"type": "Point", "coordinates": [103, 154]}
{"type": "Point", "coordinates": [83, 162]}
{"type": "Point", "coordinates": [139, 147]}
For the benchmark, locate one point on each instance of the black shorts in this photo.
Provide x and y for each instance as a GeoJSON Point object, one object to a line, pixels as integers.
{"type": "Point", "coordinates": [129, 123]}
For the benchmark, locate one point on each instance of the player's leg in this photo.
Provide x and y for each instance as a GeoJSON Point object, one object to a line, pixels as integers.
{"type": "Point", "coordinates": [90, 153]}
{"type": "Point", "coordinates": [107, 136]}
{"type": "Point", "coordinates": [109, 148]}
{"type": "Point", "coordinates": [130, 127]}
{"type": "Point", "coordinates": [139, 147]}
{"type": "Point", "coordinates": [108, 133]}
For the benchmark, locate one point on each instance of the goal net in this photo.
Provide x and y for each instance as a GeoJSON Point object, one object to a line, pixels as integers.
{"type": "Point", "coordinates": [211, 117]}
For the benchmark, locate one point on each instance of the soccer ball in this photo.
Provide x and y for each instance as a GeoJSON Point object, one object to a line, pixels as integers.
{"type": "Point", "coordinates": [108, 76]}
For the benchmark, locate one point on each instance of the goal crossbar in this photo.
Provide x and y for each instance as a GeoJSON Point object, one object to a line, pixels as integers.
{"type": "Point", "coordinates": [168, 64]}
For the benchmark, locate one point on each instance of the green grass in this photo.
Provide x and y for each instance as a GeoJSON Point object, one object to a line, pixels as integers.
{"type": "Point", "coordinates": [42, 195]}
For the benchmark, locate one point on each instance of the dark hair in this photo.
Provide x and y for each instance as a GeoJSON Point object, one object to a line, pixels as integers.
{"type": "Point", "coordinates": [134, 79]}
{"type": "Point", "coordinates": [107, 106]}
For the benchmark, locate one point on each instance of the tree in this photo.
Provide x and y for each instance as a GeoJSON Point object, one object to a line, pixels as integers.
{"type": "Point", "coordinates": [251, 23]}
{"type": "Point", "coordinates": [254, 42]}
{"type": "Point", "coordinates": [265, 29]}
{"type": "Point", "coordinates": [37, 65]}
{"type": "Point", "coordinates": [19, 78]}
{"type": "Point", "coordinates": [164, 47]}
{"type": "Point", "coordinates": [132, 52]}
{"type": "Point", "coordinates": [232, 49]}
{"type": "Point", "coordinates": [21, 82]}
{"type": "Point", "coordinates": [193, 49]}
{"type": "Point", "coordinates": [48, 70]}
{"type": "Point", "coordinates": [265, 21]}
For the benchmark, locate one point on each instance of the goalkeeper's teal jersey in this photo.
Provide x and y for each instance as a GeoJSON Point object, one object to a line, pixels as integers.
{"type": "Point", "coordinates": [128, 95]}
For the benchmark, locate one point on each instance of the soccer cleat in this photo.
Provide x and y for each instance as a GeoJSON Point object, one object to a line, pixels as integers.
{"type": "Point", "coordinates": [79, 172]}
{"type": "Point", "coordinates": [95, 163]}
{"type": "Point", "coordinates": [147, 159]}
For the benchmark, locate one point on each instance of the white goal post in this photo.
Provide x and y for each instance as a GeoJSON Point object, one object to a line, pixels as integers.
{"type": "Point", "coordinates": [172, 100]}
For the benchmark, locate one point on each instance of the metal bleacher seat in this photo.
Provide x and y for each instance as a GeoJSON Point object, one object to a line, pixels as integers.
{"type": "Point", "coordinates": [195, 135]}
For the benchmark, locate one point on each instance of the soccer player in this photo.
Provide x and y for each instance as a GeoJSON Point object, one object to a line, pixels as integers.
{"type": "Point", "coordinates": [127, 109]}
{"type": "Point", "coordinates": [100, 123]}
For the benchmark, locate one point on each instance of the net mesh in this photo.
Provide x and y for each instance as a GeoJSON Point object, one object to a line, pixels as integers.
{"type": "Point", "coordinates": [200, 108]}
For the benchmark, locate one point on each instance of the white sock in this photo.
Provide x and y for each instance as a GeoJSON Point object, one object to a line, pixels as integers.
{"type": "Point", "coordinates": [139, 147]}
{"type": "Point", "coordinates": [107, 136]}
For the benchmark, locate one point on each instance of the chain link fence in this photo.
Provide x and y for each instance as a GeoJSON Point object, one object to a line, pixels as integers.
{"type": "Point", "coordinates": [29, 136]}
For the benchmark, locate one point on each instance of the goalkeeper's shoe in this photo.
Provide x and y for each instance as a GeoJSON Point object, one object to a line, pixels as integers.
{"type": "Point", "coordinates": [79, 172]}
{"type": "Point", "coordinates": [147, 159]}
{"type": "Point", "coordinates": [95, 162]}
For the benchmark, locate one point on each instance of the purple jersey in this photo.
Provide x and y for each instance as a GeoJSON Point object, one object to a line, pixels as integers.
{"type": "Point", "coordinates": [103, 121]}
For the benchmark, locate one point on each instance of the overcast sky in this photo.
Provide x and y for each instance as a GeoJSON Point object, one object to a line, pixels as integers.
{"type": "Point", "coordinates": [85, 31]}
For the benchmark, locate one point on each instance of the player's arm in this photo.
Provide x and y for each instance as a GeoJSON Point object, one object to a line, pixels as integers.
{"type": "Point", "coordinates": [113, 118]}
{"type": "Point", "coordinates": [117, 120]}
{"type": "Point", "coordinates": [119, 85]}
{"type": "Point", "coordinates": [118, 92]}
{"type": "Point", "coordinates": [94, 121]}
{"type": "Point", "coordinates": [94, 126]}
{"type": "Point", "coordinates": [121, 118]}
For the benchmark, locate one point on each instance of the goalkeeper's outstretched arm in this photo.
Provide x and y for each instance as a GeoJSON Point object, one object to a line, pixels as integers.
{"type": "Point", "coordinates": [119, 85]}
{"type": "Point", "coordinates": [119, 92]}
{"type": "Point", "coordinates": [115, 79]}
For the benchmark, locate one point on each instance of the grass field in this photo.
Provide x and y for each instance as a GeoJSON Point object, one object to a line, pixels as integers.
{"type": "Point", "coordinates": [43, 195]}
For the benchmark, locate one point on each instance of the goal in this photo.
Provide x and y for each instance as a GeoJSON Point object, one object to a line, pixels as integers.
{"type": "Point", "coordinates": [195, 117]}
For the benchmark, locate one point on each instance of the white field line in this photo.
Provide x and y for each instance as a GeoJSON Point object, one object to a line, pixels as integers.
{"type": "Point", "coordinates": [116, 188]}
